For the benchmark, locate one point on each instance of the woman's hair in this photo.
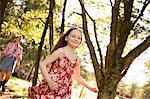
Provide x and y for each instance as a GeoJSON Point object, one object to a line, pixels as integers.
{"type": "Point", "coordinates": [62, 42]}
{"type": "Point", "coordinates": [18, 36]}
{"type": "Point", "coordinates": [22, 37]}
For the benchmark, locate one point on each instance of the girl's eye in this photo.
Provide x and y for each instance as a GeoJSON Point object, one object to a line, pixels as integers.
{"type": "Point", "coordinates": [79, 38]}
{"type": "Point", "coordinates": [73, 35]}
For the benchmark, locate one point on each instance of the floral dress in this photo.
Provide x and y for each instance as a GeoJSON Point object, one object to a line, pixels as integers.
{"type": "Point", "coordinates": [60, 72]}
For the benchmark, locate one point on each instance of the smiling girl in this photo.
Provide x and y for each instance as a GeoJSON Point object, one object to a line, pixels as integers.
{"type": "Point", "coordinates": [65, 64]}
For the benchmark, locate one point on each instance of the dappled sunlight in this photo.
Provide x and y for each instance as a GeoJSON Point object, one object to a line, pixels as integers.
{"type": "Point", "coordinates": [20, 82]}
{"type": "Point", "coordinates": [19, 88]}
{"type": "Point", "coordinates": [16, 88]}
{"type": "Point", "coordinates": [114, 48]}
{"type": "Point", "coordinates": [80, 92]}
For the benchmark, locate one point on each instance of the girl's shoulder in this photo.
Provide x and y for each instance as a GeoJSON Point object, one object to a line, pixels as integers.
{"type": "Point", "coordinates": [59, 52]}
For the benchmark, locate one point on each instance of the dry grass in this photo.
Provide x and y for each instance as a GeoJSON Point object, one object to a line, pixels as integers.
{"type": "Point", "coordinates": [16, 88]}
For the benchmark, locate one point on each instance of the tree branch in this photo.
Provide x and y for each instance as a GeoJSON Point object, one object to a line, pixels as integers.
{"type": "Point", "coordinates": [39, 51]}
{"type": "Point", "coordinates": [111, 3]}
{"type": "Point", "coordinates": [128, 5]}
{"type": "Point", "coordinates": [99, 49]}
{"type": "Point", "coordinates": [111, 48]}
{"type": "Point", "coordinates": [124, 27]}
{"type": "Point", "coordinates": [98, 72]}
{"type": "Point", "coordinates": [63, 18]}
{"type": "Point", "coordinates": [41, 20]}
{"type": "Point", "coordinates": [77, 13]}
{"type": "Point", "coordinates": [128, 59]}
{"type": "Point", "coordinates": [145, 4]}
{"type": "Point", "coordinates": [51, 24]}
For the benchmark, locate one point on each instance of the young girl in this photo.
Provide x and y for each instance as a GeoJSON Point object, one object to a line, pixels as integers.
{"type": "Point", "coordinates": [12, 54]}
{"type": "Point", "coordinates": [65, 64]}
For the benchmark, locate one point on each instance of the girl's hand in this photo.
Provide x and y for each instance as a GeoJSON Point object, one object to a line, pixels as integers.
{"type": "Point", "coordinates": [53, 85]}
{"type": "Point", "coordinates": [94, 90]}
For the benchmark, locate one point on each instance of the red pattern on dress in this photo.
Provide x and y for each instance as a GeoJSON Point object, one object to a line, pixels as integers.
{"type": "Point", "coordinates": [60, 72]}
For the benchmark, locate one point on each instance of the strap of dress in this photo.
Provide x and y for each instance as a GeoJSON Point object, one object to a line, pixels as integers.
{"type": "Point", "coordinates": [76, 57]}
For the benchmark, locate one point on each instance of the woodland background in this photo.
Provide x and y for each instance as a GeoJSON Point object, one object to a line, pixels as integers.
{"type": "Point", "coordinates": [115, 33]}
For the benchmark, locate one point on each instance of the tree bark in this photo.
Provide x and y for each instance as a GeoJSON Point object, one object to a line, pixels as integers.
{"type": "Point", "coordinates": [3, 5]}
{"type": "Point", "coordinates": [63, 18]}
{"type": "Point", "coordinates": [51, 35]}
{"type": "Point", "coordinates": [129, 58]}
{"type": "Point", "coordinates": [97, 42]}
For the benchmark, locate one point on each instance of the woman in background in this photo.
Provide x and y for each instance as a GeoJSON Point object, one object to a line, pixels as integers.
{"type": "Point", "coordinates": [12, 54]}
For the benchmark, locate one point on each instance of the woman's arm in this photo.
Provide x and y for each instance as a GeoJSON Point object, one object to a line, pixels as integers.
{"type": "Point", "coordinates": [19, 56]}
{"type": "Point", "coordinates": [3, 53]}
{"type": "Point", "coordinates": [51, 58]}
{"type": "Point", "coordinates": [8, 46]}
{"type": "Point", "coordinates": [78, 77]}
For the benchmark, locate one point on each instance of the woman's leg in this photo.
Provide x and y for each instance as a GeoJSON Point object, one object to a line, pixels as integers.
{"type": "Point", "coordinates": [2, 76]}
{"type": "Point", "coordinates": [8, 75]}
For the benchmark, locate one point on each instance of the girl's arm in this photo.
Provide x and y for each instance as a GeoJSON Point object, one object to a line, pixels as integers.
{"type": "Point", "coordinates": [51, 58]}
{"type": "Point", "coordinates": [78, 77]}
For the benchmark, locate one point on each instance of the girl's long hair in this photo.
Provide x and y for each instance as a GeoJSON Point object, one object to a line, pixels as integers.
{"type": "Point", "coordinates": [62, 42]}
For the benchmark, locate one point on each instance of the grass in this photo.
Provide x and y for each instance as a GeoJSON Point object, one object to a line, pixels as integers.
{"type": "Point", "coordinates": [16, 88]}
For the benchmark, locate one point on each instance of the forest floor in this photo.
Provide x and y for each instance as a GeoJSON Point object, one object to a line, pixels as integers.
{"type": "Point", "coordinates": [15, 89]}
{"type": "Point", "coordinates": [18, 89]}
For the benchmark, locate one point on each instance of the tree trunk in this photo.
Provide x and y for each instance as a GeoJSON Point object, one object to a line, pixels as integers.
{"type": "Point", "coordinates": [63, 18]}
{"type": "Point", "coordinates": [107, 94]}
{"type": "Point", "coordinates": [116, 66]}
{"type": "Point", "coordinates": [51, 25]}
{"type": "Point", "coordinates": [39, 51]}
{"type": "Point", "coordinates": [39, 54]}
{"type": "Point", "coordinates": [3, 5]}
{"type": "Point", "coordinates": [30, 73]}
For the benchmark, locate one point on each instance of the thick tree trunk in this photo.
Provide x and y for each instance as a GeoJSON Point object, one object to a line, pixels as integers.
{"type": "Point", "coordinates": [108, 88]}
{"type": "Point", "coordinates": [107, 94]}
{"type": "Point", "coordinates": [108, 84]}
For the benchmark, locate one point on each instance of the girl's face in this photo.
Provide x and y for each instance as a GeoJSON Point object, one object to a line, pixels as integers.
{"type": "Point", "coordinates": [74, 38]}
